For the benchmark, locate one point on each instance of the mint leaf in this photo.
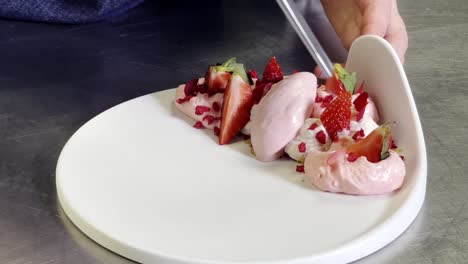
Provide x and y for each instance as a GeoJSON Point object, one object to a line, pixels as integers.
{"type": "Point", "coordinates": [387, 131]}
{"type": "Point", "coordinates": [239, 69]}
{"type": "Point", "coordinates": [232, 66]}
{"type": "Point", "coordinates": [348, 79]}
{"type": "Point", "coordinates": [227, 66]}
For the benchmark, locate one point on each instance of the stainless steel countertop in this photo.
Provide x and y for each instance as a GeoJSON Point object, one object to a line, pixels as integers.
{"type": "Point", "coordinates": [54, 78]}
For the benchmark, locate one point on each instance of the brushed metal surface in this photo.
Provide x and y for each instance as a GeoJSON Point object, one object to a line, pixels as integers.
{"type": "Point", "coordinates": [54, 78]}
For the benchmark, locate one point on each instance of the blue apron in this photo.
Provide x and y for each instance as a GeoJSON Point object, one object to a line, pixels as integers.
{"type": "Point", "coordinates": [64, 11]}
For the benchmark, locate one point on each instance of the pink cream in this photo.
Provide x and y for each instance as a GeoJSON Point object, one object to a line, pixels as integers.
{"type": "Point", "coordinates": [331, 171]}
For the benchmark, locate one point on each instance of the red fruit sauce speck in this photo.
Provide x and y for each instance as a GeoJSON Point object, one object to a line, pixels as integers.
{"type": "Point", "coordinates": [302, 147]}
{"type": "Point", "coordinates": [352, 157]}
{"type": "Point", "coordinates": [185, 99]}
{"type": "Point", "coordinates": [402, 157]}
{"type": "Point", "coordinates": [216, 131]}
{"type": "Point", "coordinates": [216, 106]}
{"type": "Point", "coordinates": [321, 137]}
{"type": "Point", "coordinates": [209, 119]}
{"type": "Point", "coordinates": [300, 168]}
{"type": "Point", "coordinates": [198, 125]}
{"type": "Point", "coordinates": [359, 134]}
{"type": "Point", "coordinates": [200, 109]}
{"type": "Point", "coordinates": [360, 115]}
{"type": "Point", "coordinates": [318, 99]}
{"type": "Point", "coordinates": [313, 126]}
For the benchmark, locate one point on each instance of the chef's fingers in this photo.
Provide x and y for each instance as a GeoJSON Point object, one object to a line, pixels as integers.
{"type": "Point", "coordinates": [397, 35]}
{"type": "Point", "coordinates": [375, 16]}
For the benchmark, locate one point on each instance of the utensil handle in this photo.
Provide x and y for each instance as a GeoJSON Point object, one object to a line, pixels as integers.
{"type": "Point", "coordinates": [307, 36]}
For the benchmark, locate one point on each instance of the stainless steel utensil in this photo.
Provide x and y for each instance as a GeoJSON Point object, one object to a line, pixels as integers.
{"type": "Point", "coordinates": [307, 36]}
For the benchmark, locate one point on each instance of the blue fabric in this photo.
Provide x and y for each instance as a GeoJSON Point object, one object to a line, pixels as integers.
{"type": "Point", "coordinates": [64, 11]}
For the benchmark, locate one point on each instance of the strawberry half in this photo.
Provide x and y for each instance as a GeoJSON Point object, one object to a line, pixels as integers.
{"type": "Point", "coordinates": [337, 116]}
{"type": "Point", "coordinates": [272, 72]}
{"type": "Point", "coordinates": [218, 76]}
{"type": "Point", "coordinates": [237, 103]}
{"type": "Point", "coordinates": [261, 89]}
{"type": "Point", "coordinates": [374, 147]}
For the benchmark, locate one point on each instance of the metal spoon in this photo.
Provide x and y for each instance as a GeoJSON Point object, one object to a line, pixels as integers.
{"type": "Point", "coordinates": [307, 36]}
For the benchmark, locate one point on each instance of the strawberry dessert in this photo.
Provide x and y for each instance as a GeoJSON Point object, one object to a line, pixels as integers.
{"type": "Point", "coordinates": [331, 129]}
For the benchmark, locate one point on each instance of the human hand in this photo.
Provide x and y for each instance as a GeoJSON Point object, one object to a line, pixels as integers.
{"type": "Point", "coordinates": [353, 18]}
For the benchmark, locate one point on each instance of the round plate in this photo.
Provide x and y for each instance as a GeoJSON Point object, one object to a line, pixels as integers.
{"type": "Point", "coordinates": [142, 182]}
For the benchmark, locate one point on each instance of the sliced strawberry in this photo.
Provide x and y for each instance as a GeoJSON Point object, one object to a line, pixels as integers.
{"type": "Point", "coordinates": [216, 80]}
{"type": "Point", "coordinates": [218, 76]}
{"type": "Point", "coordinates": [332, 84]}
{"type": "Point", "coordinates": [261, 89]}
{"type": "Point", "coordinates": [326, 101]}
{"type": "Point", "coordinates": [374, 147]}
{"type": "Point", "coordinates": [272, 72]}
{"type": "Point", "coordinates": [237, 103]}
{"type": "Point", "coordinates": [337, 116]}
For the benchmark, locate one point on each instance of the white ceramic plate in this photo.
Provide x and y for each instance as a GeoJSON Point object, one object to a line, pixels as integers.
{"type": "Point", "coordinates": [139, 180]}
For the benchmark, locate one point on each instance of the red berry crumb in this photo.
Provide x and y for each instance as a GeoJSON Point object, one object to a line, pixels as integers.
{"type": "Point", "coordinates": [313, 126]}
{"type": "Point", "coordinates": [402, 157]}
{"type": "Point", "coordinates": [209, 119]}
{"type": "Point", "coordinates": [361, 101]}
{"type": "Point", "coordinates": [191, 88]}
{"type": "Point", "coordinates": [321, 137]}
{"type": "Point", "coordinates": [359, 134]}
{"type": "Point", "coordinates": [394, 146]}
{"type": "Point", "coordinates": [318, 99]}
{"type": "Point", "coordinates": [300, 168]}
{"type": "Point", "coordinates": [302, 147]}
{"type": "Point", "coordinates": [253, 74]}
{"type": "Point", "coordinates": [200, 109]}
{"type": "Point", "coordinates": [216, 106]}
{"type": "Point", "coordinates": [216, 131]}
{"type": "Point", "coordinates": [198, 125]}
{"type": "Point", "coordinates": [295, 71]}
{"type": "Point", "coordinates": [352, 157]}
{"type": "Point", "coordinates": [185, 99]}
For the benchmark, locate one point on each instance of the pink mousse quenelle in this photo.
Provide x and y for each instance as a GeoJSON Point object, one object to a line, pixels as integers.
{"type": "Point", "coordinates": [280, 114]}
